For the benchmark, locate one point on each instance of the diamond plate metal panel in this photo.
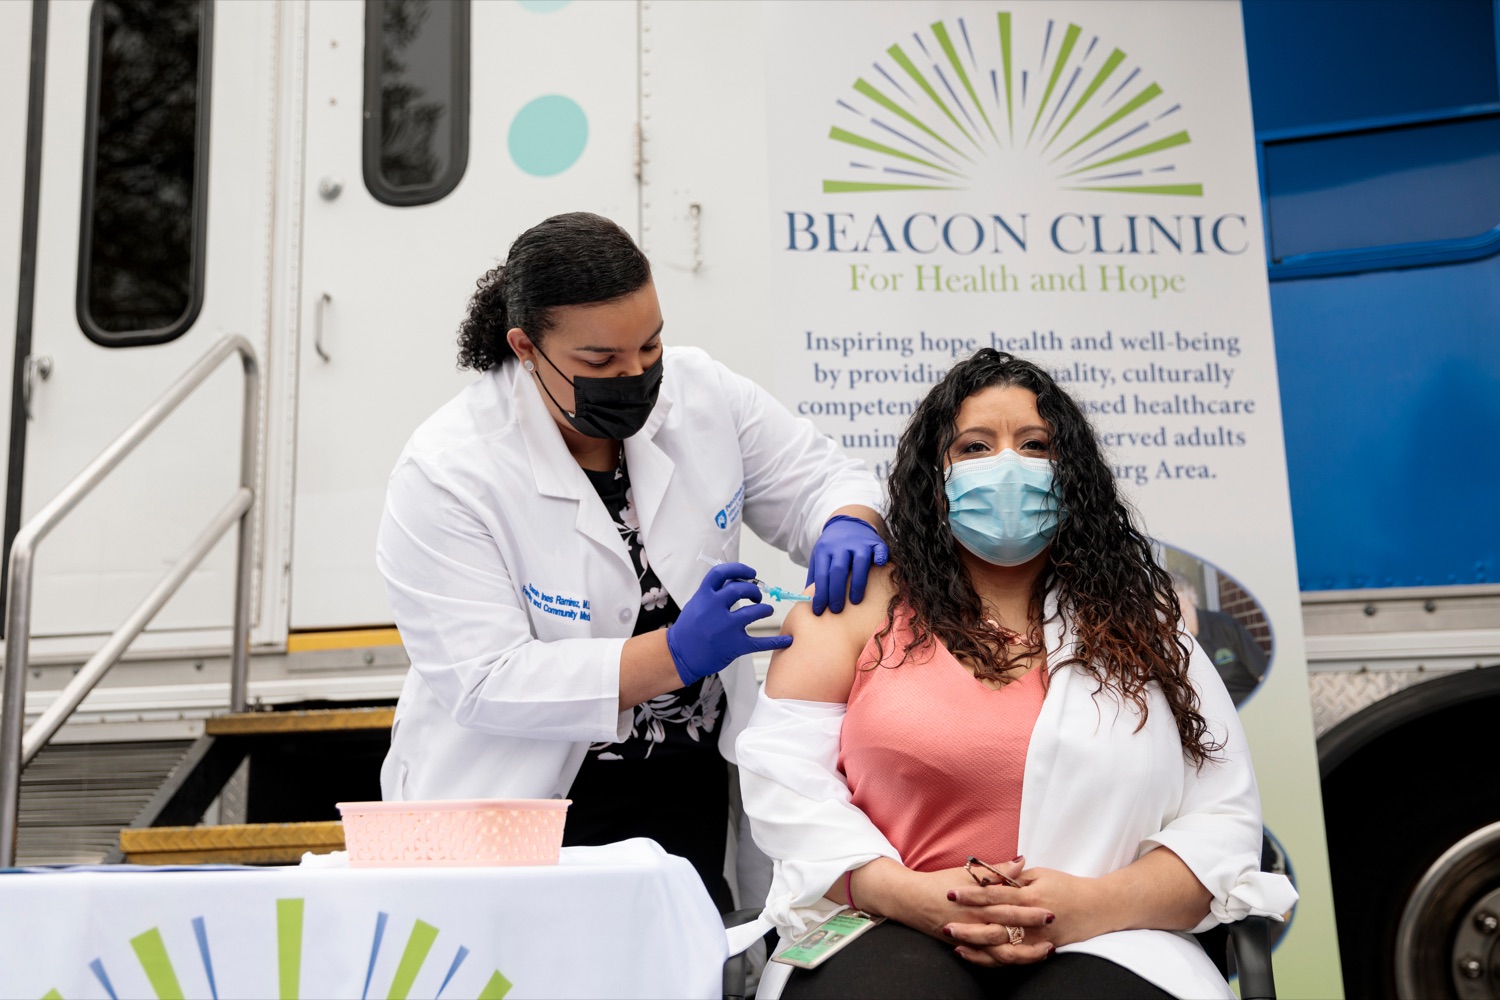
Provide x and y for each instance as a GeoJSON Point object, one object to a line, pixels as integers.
{"type": "Point", "coordinates": [1338, 695]}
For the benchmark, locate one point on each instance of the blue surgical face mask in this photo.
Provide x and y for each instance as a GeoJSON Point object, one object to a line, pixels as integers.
{"type": "Point", "coordinates": [1001, 508]}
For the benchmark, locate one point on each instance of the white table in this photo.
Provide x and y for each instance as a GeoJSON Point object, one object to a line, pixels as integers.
{"type": "Point", "coordinates": [625, 920]}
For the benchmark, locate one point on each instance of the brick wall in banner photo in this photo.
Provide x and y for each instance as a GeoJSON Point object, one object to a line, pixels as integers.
{"type": "Point", "coordinates": [1235, 600]}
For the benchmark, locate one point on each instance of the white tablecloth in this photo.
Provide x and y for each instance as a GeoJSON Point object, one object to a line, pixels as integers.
{"type": "Point", "coordinates": [626, 920]}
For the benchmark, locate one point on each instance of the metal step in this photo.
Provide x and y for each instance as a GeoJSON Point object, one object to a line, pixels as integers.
{"type": "Point", "coordinates": [243, 844]}
{"type": "Point", "coordinates": [75, 797]}
{"type": "Point", "coordinates": [317, 720]}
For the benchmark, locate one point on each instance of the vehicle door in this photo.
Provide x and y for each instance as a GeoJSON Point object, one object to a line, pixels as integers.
{"type": "Point", "coordinates": [152, 243]}
{"type": "Point", "coordinates": [436, 133]}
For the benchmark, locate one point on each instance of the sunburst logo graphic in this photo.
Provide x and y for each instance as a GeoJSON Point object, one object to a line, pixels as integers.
{"type": "Point", "coordinates": [957, 109]}
{"type": "Point", "coordinates": [162, 973]}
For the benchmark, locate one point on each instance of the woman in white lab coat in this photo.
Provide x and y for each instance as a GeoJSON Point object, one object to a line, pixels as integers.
{"type": "Point", "coordinates": [549, 546]}
{"type": "Point", "coordinates": [1015, 691]}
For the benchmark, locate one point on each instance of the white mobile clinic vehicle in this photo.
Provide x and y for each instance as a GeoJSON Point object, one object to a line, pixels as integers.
{"type": "Point", "coordinates": [326, 179]}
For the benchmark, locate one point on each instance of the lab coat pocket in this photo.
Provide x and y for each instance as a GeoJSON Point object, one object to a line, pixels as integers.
{"type": "Point", "coordinates": [723, 546]}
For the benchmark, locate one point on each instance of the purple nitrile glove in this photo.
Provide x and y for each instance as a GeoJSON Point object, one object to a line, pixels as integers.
{"type": "Point", "coordinates": [841, 562]}
{"type": "Point", "coordinates": [708, 636]}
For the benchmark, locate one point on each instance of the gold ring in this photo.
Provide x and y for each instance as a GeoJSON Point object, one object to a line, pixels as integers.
{"type": "Point", "coordinates": [1017, 935]}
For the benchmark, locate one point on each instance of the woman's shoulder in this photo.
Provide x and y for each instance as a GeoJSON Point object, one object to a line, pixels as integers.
{"type": "Point", "coordinates": [689, 369]}
{"type": "Point", "coordinates": [689, 356]}
{"type": "Point", "coordinates": [694, 377]}
{"type": "Point", "coordinates": [470, 446]}
{"type": "Point", "coordinates": [819, 665]}
{"type": "Point", "coordinates": [476, 411]}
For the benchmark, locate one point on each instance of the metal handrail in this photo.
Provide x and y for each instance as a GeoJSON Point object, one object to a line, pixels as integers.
{"type": "Point", "coordinates": [15, 750]}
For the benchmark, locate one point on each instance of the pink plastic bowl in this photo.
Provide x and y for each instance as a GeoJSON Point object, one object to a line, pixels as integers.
{"type": "Point", "coordinates": [456, 832]}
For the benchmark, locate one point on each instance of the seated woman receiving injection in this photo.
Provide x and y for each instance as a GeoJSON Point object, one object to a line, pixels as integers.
{"type": "Point", "coordinates": [1016, 685]}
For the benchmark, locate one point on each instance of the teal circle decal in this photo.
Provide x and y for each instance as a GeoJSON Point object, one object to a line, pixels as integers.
{"type": "Point", "coordinates": [544, 6]}
{"type": "Point", "coordinates": [547, 136]}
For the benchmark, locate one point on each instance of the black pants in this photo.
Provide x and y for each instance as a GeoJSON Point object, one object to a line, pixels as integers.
{"type": "Point", "coordinates": [894, 961]}
{"type": "Point", "coordinates": [679, 800]}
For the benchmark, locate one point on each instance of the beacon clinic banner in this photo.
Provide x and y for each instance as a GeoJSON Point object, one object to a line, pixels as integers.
{"type": "Point", "coordinates": [1074, 183]}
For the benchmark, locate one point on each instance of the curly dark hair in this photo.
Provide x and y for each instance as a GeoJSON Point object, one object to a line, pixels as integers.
{"type": "Point", "coordinates": [567, 260]}
{"type": "Point", "coordinates": [1122, 603]}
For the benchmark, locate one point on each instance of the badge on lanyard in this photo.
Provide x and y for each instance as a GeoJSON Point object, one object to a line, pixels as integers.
{"type": "Point", "coordinates": [816, 946]}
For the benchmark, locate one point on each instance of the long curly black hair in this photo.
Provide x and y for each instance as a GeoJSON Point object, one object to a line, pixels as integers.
{"type": "Point", "coordinates": [572, 259]}
{"type": "Point", "coordinates": [1121, 602]}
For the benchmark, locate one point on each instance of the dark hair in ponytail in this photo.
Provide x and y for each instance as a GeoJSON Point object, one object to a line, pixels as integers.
{"type": "Point", "coordinates": [567, 260]}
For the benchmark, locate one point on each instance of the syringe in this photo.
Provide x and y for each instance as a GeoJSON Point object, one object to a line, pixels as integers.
{"type": "Point", "coordinates": [774, 593]}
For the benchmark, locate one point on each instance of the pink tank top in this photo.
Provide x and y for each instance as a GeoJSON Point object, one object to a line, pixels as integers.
{"type": "Point", "coordinates": [934, 757]}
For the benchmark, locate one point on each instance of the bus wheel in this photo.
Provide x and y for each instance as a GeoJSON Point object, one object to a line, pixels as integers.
{"type": "Point", "coordinates": [1448, 937]}
{"type": "Point", "coordinates": [1411, 812]}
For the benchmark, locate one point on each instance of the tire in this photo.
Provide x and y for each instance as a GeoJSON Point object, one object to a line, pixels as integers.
{"type": "Point", "coordinates": [1449, 935]}
{"type": "Point", "coordinates": [1404, 782]}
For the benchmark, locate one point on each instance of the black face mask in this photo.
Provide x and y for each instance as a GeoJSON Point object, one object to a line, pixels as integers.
{"type": "Point", "coordinates": [609, 408]}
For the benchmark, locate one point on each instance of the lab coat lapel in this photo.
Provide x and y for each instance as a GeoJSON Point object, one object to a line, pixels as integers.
{"type": "Point", "coordinates": [1042, 752]}
{"type": "Point", "coordinates": [651, 473]}
{"type": "Point", "coordinates": [1084, 759]}
{"type": "Point", "coordinates": [556, 471]}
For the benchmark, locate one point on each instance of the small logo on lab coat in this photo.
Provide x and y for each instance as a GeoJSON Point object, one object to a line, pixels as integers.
{"type": "Point", "coordinates": [730, 512]}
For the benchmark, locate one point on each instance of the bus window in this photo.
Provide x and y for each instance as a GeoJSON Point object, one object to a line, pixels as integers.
{"type": "Point", "coordinates": [1425, 182]}
{"type": "Point", "coordinates": [416, 127]}
{"type": "Point", "coordinates": [1382, 150]}
{"type": "Point", "coordinates": [145, 181]}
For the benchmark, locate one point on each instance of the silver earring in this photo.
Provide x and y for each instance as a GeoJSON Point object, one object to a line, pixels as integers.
{"type": "Point", "coordinates": [528, 366]}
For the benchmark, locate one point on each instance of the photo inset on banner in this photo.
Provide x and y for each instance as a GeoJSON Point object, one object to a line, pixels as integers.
{"type": "Point", "coordinates": [1273, 858]}
{"type": "Point", "coordinates": [1226, 619]}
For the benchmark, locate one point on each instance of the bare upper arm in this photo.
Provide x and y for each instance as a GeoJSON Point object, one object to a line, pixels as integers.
{"type": "Point", "coordinates": [819, 664]}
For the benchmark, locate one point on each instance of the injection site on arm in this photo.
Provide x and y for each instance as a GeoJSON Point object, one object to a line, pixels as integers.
{"type": "Point", "coordinates": [774, 593]}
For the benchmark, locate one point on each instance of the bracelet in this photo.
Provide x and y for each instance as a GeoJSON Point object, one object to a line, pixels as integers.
{"type": "Point", "coordinates": [849, 888]}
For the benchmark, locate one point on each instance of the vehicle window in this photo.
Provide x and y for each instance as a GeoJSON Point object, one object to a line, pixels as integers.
{"type": "Point", "coordinates": [1431, 181]}
{"type": "Point", "coordinates": [416, 127]}
{"type": "Point", "coordinates": [1325, 62]}
{"type": "Point", "coordinates": [1379, 132]}
{"type": "Point", "coordinates": [141, 243]}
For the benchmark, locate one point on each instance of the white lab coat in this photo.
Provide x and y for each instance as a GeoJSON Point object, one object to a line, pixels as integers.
{"type": "Point", "coordinates": [514, 593]}
{"type": "Point", "coordinates": [1096, 795]}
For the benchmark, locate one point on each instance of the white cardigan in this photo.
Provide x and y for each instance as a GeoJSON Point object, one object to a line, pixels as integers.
{"type": "Point", "coordinates": [1096, 796]}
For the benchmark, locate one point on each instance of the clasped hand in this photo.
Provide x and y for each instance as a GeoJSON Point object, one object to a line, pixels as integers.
{"type": "Point", "coordinates": [1052, 907]}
